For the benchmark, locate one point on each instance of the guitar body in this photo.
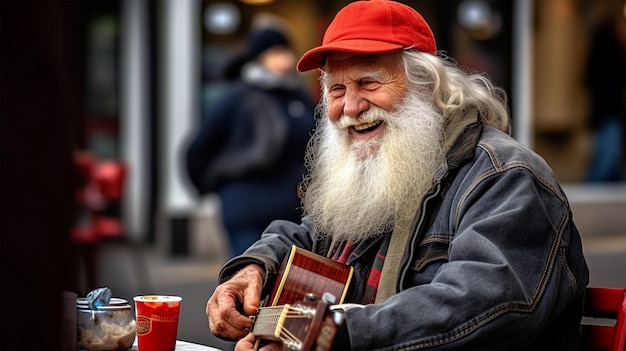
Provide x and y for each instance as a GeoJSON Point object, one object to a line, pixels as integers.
{"type": "Point", "coordinates": [303, 272]}
{"type": "Point", "coordinates": [297, 311]}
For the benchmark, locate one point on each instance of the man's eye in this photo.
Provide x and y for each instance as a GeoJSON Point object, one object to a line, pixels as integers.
{"type": "Point", "coordinates": [370, 85]}
{"type": "Point", "coordinates": [337, 90]}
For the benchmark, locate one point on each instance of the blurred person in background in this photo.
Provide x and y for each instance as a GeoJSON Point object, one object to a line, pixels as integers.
{"type": "Point", "coordinates": [460, 237]}
{"type": "Point", "coordinates": [606, 82]}
{"type": "Point", "coordinates": [251, 145]}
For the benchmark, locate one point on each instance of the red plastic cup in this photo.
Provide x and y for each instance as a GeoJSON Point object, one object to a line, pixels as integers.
{"type": "Point", "coordinates": [157, 322]}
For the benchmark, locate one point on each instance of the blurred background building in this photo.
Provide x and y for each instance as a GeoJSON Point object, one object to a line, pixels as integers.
{"type": "Point", "coordinates": [140, 73]}
{"type": "Point", "coordinates": [145, 70]}
{"type": "Point", "coordinates": [150, 67]}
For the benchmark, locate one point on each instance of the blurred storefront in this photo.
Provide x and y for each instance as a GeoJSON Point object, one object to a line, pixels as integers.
{"type": "Point", "coordinates": [151, 67]}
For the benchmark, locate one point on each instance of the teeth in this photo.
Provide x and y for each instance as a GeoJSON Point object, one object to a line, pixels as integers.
{"type": "Point", "coordinates": [364, 126]}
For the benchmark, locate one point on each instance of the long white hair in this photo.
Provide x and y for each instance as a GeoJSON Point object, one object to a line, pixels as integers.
{"type": "Point", "coordinates": [456, 90]}
{"type": "Point", "coordinates": [353, 197]}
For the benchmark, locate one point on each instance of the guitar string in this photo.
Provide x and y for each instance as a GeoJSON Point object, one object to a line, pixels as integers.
{"type": "Point", "coordinates": [274, 321]}
{"type": "Point", "coordinates": [288, 336]}
{"type": "Point", "coordinates": [270, 318]}
{"type": "Point", "coordinates": [268, 326]}
{"type": "Point", "coordinates": [292, 313]}
{"type": "Point", "coordinates": [266, 322]}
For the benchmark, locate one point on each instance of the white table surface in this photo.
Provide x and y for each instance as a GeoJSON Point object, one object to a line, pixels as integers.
{"type": "Point", "coordinates": [183, 346]}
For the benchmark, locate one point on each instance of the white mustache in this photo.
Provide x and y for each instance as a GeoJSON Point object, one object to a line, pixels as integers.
{"type": "Point", "coordinates": [373, 115]}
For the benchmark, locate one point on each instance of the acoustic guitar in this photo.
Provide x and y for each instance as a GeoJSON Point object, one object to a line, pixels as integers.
{"type": "Point", "coordinates": [297, 311]}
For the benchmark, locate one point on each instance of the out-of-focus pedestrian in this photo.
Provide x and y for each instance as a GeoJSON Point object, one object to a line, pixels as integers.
{"type": "Point", "coordinates": [606, 82]}
{"type": "Point", "coordinates": [250, 148]}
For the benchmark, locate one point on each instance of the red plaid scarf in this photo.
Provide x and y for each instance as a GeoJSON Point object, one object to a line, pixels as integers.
{"type": "Point", "coordinates": [373, 279]}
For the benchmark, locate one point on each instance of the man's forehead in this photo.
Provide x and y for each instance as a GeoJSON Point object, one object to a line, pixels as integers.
{"type": "Point", "coordinates": [339, 59]}
{"type": "Point", "coordinates": [362, 66]}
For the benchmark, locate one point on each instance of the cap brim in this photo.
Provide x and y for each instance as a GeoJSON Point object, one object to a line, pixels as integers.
{"type": "Point", "coordinates": [314, 58]}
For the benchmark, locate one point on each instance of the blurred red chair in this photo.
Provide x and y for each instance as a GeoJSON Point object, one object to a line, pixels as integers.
{"type": "Point", "coordinates": [110, 178]}
{"type": "Point", "coordinates": [604, 319]}
{"type": "Point", "coordinates": [82, 232]}
{"type": "Point", "coordinates": [98, 198]}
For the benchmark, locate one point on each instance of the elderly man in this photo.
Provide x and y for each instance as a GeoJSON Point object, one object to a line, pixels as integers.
{"type": "Point", "coordinates": [460, 237]}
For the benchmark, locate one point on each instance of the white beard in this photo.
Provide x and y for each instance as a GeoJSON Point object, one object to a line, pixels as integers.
{"type": "Point", "coordinates": [357, 190]}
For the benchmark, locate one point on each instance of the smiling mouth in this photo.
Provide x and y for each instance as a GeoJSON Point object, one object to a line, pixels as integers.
{"type": "Point", "coordinates": [367, 127]}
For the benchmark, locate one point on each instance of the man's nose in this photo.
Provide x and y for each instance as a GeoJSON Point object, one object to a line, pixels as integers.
{"type": "Point", "coordinates": [354, 103]}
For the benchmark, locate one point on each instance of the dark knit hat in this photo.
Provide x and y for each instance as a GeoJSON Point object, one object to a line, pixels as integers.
{"type": "Point", "coordinates": [257, 42]}
{"type": "Point", "coordinates": [263, 39]}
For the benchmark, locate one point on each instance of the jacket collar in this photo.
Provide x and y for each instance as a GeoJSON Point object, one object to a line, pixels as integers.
{"type": "Point", "coordinates": [462, 135]}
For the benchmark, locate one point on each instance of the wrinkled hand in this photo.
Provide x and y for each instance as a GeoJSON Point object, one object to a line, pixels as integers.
{"type": "Point", "coordinates": [247, 344]}
{"type": "Point", "coordinates": [243, 289]}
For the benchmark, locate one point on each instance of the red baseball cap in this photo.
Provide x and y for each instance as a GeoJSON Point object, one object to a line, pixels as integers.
{"type": "Point", "coordinates": [372, 27]}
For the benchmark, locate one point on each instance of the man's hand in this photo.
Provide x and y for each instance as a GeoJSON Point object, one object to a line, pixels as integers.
{"type": "Point", "coordinates": [243, 289]}
{"type": "Point", "coordinates": [247, 344]}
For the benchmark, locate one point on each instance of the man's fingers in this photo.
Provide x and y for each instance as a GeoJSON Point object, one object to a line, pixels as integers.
{"type": "Point", "coordinates": [224, 319]}
{"type": "Point", "coordinates": [227, 308]}
{"type": "Point", "coordinates": [245, 344]}
{"type": "Point", "coordinates": [251, 293]}
{"type": "Point", "coordinates": [224, 328]}
{"type": "Point", "coordinates": [273, 346]}
{"type": "Point", "coordinates": [251, 301]}
{"type": "Point", "coordinates": [232, 303]}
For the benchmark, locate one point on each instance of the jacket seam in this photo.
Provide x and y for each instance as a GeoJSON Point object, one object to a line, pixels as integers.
{"type": "Point", "coordinates": [499, 168]}
{"type": "Point", "coordinates": [468, 327]}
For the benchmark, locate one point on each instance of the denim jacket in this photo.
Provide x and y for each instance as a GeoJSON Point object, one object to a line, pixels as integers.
{"type": "Point", "coordinates": [493, 262]}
